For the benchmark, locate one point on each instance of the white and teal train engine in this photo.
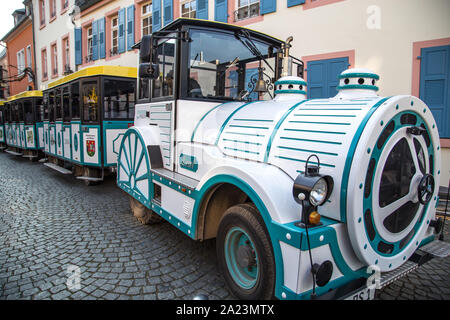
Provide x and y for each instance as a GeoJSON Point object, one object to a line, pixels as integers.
{"type": "Point", "coordinates": [303, 196]}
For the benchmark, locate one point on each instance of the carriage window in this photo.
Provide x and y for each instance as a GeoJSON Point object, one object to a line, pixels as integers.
{"type": "Point", "coordinates": [225, 74]}
{"type": "Point", "coordinates": [20, 111]}
{"type": "Point", "coordinates": [1, 117]}
{"type": "Point", "coordinates": [144, 88]}
{"type": "Point", "coordinates": [90, 101]}
{"type": "Point", "coordinates": [75, 94]}
{"type": "Point", "coordinates": [45, 103]}
{"type": "Point", "coordinates": [119, 99]}
{"type": "Point", "coordinates": [163, 85]}
{"type": "Point", "coordinates": [28, 111]}
{"type": "Point", "coordinates": [58, 109]}
{"type": "Point", "coordinates": [51, 106]}
{"type": "Point", "coordinates": [39, 109]}
{"type": "Point", "coordinates": [66, 104]}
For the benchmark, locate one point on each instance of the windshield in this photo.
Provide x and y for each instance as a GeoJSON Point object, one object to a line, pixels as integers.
{"type": "Point", "coordinates": [225, 66]}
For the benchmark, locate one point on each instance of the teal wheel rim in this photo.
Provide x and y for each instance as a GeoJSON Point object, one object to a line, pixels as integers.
{"type": "Point", "coordinates": [244, 273]}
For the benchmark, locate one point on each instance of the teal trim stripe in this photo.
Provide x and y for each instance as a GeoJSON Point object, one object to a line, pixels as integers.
{"type": "Point", "coordinates": [304, 161]}
{"type": "Point", "coordinates": [277, 126]}
{"type": "Point", "coordinates": [240, 141]}
{"type": "Point", "coordinates": [249, 127]}
{"type": "Point", "coordinates": [315, 122]}
{"type": "Point", "coordinates": [326, 115]}
{"type": "Point", "coordinates": [290, 82]}
{"type": "Point", "coordinates": [202, 118]}
{"type": "Point", "coordinates": [359, 75]}
{"type": "Point", "coordinates": [307, 150]}
{"type": "Point", "coordinates": [229, 118]}
{"type": "Point", "coordinates": [246, 134]}
{"type": "Point", "coordinates": [259, 120]}
{"type": "Point", "coordinates": [315, 131]}
{"type": "Point", "coordinates": [350, 156]}
{"type": "Point", "coordinates": [290, 91]}
{"type": "Point", "coordinates": [311, 140]}
{"type": "Point", "coordinates": [240, 150]}
{"type": "Point", "coordinates": [357, 86]}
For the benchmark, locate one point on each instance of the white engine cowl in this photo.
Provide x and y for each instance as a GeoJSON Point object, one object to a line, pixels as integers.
{"type": "Point", "coordinates": [362, 142]}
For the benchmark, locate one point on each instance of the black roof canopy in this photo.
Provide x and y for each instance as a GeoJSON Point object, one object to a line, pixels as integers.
{"type": "Point", "coordinates": [219, 26]}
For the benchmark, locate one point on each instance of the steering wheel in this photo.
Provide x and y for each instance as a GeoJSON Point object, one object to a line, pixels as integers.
{"type": "Point", "coordinates": [426, 189]}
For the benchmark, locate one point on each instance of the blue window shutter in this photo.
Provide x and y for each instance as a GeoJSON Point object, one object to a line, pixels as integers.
{"type": "Point", "coordinates": [122, 30]}
{"type": "Point", "coordinates": [202, 9]}
{"type": "Point", "coordinates": [323, 77]}
{"type": "Point", "coordinates": [130, 27]}
{"type": "Point", "coordinates": [101, 38]}
{"type": "Point", "coordinates": [291, 3]}
{"type": "Point", "coordinates": [156, 15]}
{"type": "Point", "coordinates": [168, 11]}
{"type": "Point", "coordinates": [78, 51]}
{"type": "Point", "coordinates": [268, 6]}
{"type": "Point", "coordinates": [221, 11]}
{"type": "Point", "coordinates": [435, 87]}
{"type": "Point", "coordinates": [94, 40]}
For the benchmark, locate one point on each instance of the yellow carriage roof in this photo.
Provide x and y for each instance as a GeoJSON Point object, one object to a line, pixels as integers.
{"type": "Point", "coordinates": [115, 71]}
{"type": "Point", "coordinates": [26, 94]}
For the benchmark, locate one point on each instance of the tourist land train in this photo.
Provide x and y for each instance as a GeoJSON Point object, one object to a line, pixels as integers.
{"type": "Point", "coordinates": [306, 198]}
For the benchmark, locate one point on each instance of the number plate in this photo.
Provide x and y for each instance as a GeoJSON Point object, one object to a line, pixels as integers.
{"type": "Point", "coordinates": [363, 294]}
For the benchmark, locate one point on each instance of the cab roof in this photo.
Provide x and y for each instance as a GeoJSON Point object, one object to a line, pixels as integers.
{"type": "Point", "coordinates": [219, 25]}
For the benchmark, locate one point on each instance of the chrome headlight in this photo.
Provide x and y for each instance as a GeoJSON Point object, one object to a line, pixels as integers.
{"type": "Point", "coordinates": [319, 193]}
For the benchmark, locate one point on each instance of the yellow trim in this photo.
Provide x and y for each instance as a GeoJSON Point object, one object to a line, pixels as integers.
{"type": "Point", "coordinates": [230, 24]}
{"type": "Point", "coordinates": [115, 71]}
{"type": "Point", "coordinates": [2, 103]}
{"type": "Point", "coordinates": [25, 94]}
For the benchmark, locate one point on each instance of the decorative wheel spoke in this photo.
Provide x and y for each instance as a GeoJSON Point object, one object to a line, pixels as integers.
{"type": "Point", "coordinates": [386, 211]}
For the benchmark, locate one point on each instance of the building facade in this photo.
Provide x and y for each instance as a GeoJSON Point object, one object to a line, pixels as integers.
{"type": "Point", "coordinates": [54, 39]}
{"type": "Point", "coordinates": [20, 53]}
{"type": "Point", "coordinates": [406, 42]}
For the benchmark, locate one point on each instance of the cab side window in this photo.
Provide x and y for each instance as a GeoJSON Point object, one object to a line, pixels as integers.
{"type": "Point", "coordinates": [51, 104]}
{"type": "Point", "coordinates": [119, 99]}
{"type": "Point", "coordinates": [39, 110]}
{"type": "Point", "coordinates": [164, 84]}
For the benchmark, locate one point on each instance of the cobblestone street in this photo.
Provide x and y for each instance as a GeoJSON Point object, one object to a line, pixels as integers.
{"type": "Point", "coordinates": [49, 221]}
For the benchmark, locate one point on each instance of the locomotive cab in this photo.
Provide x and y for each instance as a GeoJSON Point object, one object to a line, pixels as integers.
{"type": "Point", "coordinates": [305, 197]}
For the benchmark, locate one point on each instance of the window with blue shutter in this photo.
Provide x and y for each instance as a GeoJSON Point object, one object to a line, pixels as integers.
{"type": "Point", "coordinates": [130, 27]}
{"type": "Point", "coordinates": [122, 30]}
{"type": "Point", "coordinates": [101, 38]}
{"type": "Point", "coordinates": [435, 87]}
{"type": "Point", "coordinates": [221, 11]}
{"type": "Point", "coordinates": [268, 6]}
{"type": "Point", "coordinates": [323, 77]}
{"type": "Point", "coordinates": [291, 3]}
{"type": "Point", "coordinates": [202, 9]}
{"type": "Point", "coordinates": [78, 51]}
{"type": "Point", "coordinates": [156, 15]}
{"type": "Point", "coordinates": [94, 40]}
{"type": "Point", "coordinates": [168, 11]}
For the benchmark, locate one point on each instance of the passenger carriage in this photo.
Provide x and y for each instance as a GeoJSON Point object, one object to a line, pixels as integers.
{"type": "Point", "coordinates": [306, 198]}
{"type": "Point", "coordinates": [88, 113]}
{"type": "Point", "coordinates": [23, 125]}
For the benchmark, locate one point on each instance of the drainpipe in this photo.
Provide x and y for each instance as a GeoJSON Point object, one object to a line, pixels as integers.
{"type": "Point", "coordinates": [30, 2]}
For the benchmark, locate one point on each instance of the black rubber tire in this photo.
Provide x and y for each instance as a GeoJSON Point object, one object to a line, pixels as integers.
{"type": "Point", "coordinates": [248, 218]}
{"type": "Point", "coordinates": [143, 214]}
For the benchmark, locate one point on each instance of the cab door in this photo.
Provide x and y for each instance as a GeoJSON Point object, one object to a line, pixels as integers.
{"type": "Point", "coordinates": [90, 126]}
